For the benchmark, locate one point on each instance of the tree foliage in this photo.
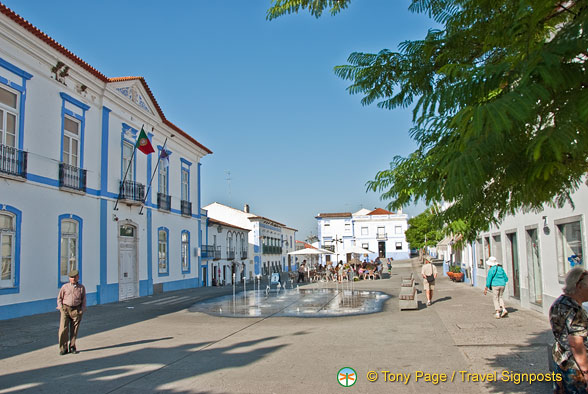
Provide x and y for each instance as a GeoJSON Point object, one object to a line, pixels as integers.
{"type": "Point", "coordinates": [500, 104]}
{"type": "Point", "coordinates": [424, 230]}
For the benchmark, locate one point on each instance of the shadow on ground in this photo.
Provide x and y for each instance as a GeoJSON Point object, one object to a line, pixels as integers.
{"type": "Point", "coordinates": [142, 370]}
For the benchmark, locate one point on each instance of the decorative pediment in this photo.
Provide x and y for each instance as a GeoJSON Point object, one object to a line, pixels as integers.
{"type": "Point", "coordinates": [135, 93]}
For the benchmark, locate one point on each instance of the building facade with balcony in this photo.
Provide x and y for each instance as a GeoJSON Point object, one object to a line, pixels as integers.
{"type": "Point", "coordinates": [225, 253]}
{"type": "Point", "coordinates": [74, 190]}
{"type": "Point", "coordinates": [269, 241]}
{"type": "Point", "coordinates": [378, 230]}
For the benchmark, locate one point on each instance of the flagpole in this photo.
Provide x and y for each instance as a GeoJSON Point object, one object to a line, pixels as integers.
{"type": "Point", "coordinates": [120, 188]}
{"type": "Point", "coordinates": [153, 175]}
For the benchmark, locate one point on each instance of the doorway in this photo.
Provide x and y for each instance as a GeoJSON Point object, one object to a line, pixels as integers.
{"type": "Point", "coordinates": [534, 267]}
{"type": "Point", "coordinates": [381, 249]}
{"type": "Point", "coordinates": [512, 251]}
{"type": "Point", "coordinates": [128, 279]}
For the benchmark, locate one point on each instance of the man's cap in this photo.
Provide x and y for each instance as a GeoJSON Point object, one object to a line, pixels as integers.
{"type": "Point", "coordinates": [73, 273]}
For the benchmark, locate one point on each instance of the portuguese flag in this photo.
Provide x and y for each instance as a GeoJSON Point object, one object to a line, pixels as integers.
{"type": "Point", "coordinates": [143, 143]}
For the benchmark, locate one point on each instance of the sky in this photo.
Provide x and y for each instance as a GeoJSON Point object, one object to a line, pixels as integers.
{"type": "Point", "coordinates": [287, 138]}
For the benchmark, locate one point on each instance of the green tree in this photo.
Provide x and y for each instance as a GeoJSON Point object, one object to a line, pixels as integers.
{"type": "Point", "coordinates": [500, 105]}
{"type": "Point", "coordinates": [424, 230]}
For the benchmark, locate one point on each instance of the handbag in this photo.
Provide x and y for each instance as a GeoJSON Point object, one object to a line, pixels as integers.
{"type": "Point", "coordinates": [431, 278]}
{"type": "Point", "coordinates": [493, 276]}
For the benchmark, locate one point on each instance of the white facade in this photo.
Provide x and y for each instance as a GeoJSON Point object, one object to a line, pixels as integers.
{"type": "Point", "coordinates": [380, 231]}
{"type": "Point", "coordinates": [537, 250]}
{"type": "Point", "coordinates": [63, 153]}
{"type": "Point", "coordinates": [225, 258]}
{"type": "Point", "coordinates": [269, 241]}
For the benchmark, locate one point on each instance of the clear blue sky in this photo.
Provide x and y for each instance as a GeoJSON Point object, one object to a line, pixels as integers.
{"type": "Point", "coordinates": [261, 95]}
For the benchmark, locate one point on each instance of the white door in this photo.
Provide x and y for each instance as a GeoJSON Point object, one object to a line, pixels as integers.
{"type": "Point", "coordinates": [128, 283]}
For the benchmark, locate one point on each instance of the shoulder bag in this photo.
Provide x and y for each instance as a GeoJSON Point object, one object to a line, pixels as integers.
{"type": "Point", "coordinates": [493, 276]}
{"type": "Point", "coordinates": [431, 278]}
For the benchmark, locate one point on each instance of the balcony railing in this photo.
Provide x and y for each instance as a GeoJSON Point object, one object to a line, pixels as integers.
{"type": "Point", "coordinates": [243, 254]}
{"type": "Point", "coordinates": [330, 248]}
{"type": "Point", "coordinates": [230, 253]}
{"type": "Point", "coordinates": [186, 208]}
{"type": "Point", "coordinates": [217, 252]}
{"type": "Point", "coordinates": [381, 236]}
{"type": "Point", "coordinates": [132, 191]}
{"type": "Point", "coordinates": [207, 251]}
{"type": "Point", "coordinates": [13, 161]}
{"type": "Point", "coordinates": [72, 177]}
{"type": "Point", "coordinates": [267, 249]}
{"type": "Point", "coordinates": [163, 202]}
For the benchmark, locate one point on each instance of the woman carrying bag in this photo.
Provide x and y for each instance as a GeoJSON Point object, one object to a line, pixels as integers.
{"type": "Point", "coordinates": [496, 281]}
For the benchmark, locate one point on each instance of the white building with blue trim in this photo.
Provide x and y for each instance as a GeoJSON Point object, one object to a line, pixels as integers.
{"type": "Point", "coordinates": [378, 230]}
{"type": "Point", "coordinates": [269, 241]}
{"type": "Point", "coordinates": [67, 137]}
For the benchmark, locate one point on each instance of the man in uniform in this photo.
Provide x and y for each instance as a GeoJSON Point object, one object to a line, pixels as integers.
{"type": "Point", "coordinates": [71, 302]}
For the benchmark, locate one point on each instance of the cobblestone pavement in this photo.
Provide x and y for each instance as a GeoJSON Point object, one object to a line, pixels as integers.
{"type": "Point", "coordinates": [157, 344]}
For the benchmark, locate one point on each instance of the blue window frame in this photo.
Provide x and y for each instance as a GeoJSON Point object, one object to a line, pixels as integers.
{"type": "Point", "coordinates": [73, 120]}
{"type": "Point", "coordinates": [185, 251]}
{"type": "Point", "coordinates": [127, 146]}
{"type": "Point", "coordinates": [10, 221]}
{"type": "Point", "coordinates": [162, 251]}
{"type": "Point", "coordinates": [8, 73]}
{"type": "Point", "coordinates": [163, 173]}
{"type": "Point", "coordinates": [69, 250]}
{"type": "Point", "coordinates": [185, 180]}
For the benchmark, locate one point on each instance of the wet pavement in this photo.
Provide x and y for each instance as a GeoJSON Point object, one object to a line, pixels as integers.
{"type": "Point", "coordinates": [316, 302]}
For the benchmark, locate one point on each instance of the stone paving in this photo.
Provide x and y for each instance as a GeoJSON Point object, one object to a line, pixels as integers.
{"type": "Point", "coordinates": [161, 344]}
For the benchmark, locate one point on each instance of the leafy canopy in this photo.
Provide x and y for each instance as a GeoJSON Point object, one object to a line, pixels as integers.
{"type": "Point", "coordinates": [424, 230]}
{"type": "Point", "coordinates": [500, 104]}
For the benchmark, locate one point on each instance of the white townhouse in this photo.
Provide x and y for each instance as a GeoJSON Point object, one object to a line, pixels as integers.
{"type": "Point", "coordinates": [269, 241]}
{"type": "Point", "coordinates": [378, 230]}
{"type": "Point", "coordinates": [67, 138]}
{"type": "Point", "coordinates": [537, 250]}
{"type": "Point", "coordinates": [226, 255]}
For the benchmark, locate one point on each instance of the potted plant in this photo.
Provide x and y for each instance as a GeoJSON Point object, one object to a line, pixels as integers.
{"type": "Point", "coordinates": [455, 273]}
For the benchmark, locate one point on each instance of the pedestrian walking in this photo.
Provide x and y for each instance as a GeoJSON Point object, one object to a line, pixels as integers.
{"type": "Point", "coordinates": [496, 281]}
{"type": "Point", "coordinates": [429, 274]}
{"type": "Point", "coordinates": [569, 324]}
{"type": "Point", "coordinates": [71, 302]}
{"type": "Point", "coordinates": [301, 268]}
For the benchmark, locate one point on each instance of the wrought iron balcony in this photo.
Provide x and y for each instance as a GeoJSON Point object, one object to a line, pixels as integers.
{"type": "Point", "coordinates": [13, 161]}
{"type": "Point", "coordinates": [230, 253]}
{"type": "Point", "coordinates": [217, 252]}
{"type": "Point", "coordinates": [72, 177]}
{"type": "Point", "coordinates": [381, 236]}
{"type": "Point", "coordinates": [330, 248]}
{"type": "Point", "coordinates": [207, 251]}
{"type": "Point", "coordinates": [163, 202]}
{"type": "Point", "coordinates": [132, 191]}
{"type": "Point", "coordinates": [243, 254]}
{"type": "Point", "coordinates": [186, 208]}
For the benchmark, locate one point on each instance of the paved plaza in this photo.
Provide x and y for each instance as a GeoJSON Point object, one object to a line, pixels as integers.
{"type": "Point", "coordinates": [163, 344]}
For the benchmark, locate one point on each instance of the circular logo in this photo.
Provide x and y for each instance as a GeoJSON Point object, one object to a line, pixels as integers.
{"type": "Point", "coordinates": [346, 377]}
{"type": "Point", "coordinates": [143, 142]}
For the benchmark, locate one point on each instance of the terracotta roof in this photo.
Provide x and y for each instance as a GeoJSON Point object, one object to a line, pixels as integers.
{"type": "Point", "coordinates": [380, 211]}
{"type": "Point", "coordinates": [335, 215]}
{"type": "Point", "coordinates": [60, 48]}
{"type": "Point", "coordinates": [159, 111]}
{"type": "Point", "coordinates": [214, 221]}
{"type": "Point", "coordinates": [306, 245]}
